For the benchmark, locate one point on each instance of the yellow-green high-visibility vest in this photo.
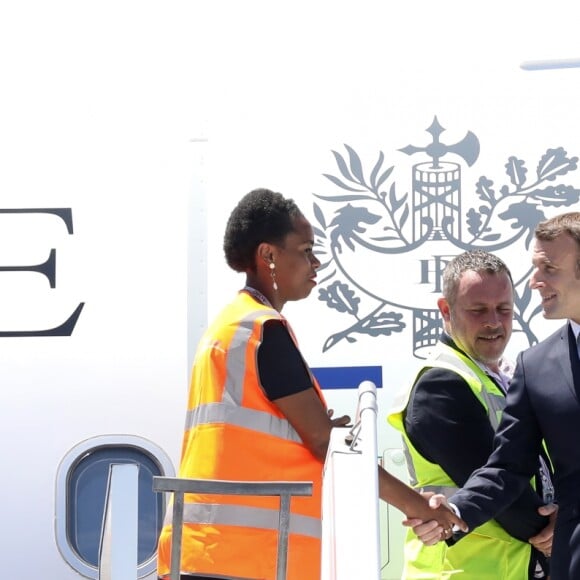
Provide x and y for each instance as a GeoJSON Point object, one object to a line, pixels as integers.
{"type": "Point", "coordinates": [488, 552]}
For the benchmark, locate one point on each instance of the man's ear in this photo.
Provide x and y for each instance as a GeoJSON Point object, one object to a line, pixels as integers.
{"type": "Point", "coordinates": [444, 308]}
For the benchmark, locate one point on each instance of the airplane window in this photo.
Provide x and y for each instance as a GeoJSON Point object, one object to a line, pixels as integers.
{"type": "Point", "coordinates": [86, 496]}
{"type": "Point", "coordinates": [81, 493]}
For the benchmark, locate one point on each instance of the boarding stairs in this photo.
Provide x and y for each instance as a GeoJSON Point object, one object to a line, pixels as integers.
{"type": "Point", "coordinates": [350, 522]}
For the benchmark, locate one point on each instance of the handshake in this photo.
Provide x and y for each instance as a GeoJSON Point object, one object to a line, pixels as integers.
{"type": "Point", "coordinates": [440, 524]}
{"type": "Point", "coordinates": [445, 522]}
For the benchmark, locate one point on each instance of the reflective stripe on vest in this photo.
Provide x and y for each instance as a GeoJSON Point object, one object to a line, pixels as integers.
{"type": "Point", "coordinates": [244, 516]}
{"type": "Point", "coordinates": [230, 411]}
{"type": "Point", "coordinates": [236, 362]}
{"type": "Point", "coordinates": [413, 479]}
{"type": "Point", "coordinates": [495, 403]}
{"type": "Point", "coordinates": [252, 419]}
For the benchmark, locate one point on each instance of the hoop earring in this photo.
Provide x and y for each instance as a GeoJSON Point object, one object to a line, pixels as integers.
{"type": "Point", "coordinates": [273, 275]}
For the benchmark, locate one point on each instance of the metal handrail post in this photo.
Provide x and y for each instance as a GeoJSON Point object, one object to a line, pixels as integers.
{"type": "Point", "coordinates": [284, 489]}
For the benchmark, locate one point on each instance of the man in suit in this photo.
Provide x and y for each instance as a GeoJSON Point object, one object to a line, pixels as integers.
{"type": "Point", "coordinates": [543, 404]}
{"type": "Point", "coordinates": [458, 394]}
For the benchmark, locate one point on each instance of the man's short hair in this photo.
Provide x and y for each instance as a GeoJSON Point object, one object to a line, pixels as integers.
{"type": "Point", "coordinates": [473, 260]}
{"type": "Point", "coordinates": [565, 223]}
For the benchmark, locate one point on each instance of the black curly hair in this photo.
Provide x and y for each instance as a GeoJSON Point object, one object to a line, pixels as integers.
{"type": "Point", "coordinates": [260, 216]}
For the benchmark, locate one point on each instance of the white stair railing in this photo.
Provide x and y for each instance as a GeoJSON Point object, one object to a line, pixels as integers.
{"type": "Point", "coordinates": [350, 504]}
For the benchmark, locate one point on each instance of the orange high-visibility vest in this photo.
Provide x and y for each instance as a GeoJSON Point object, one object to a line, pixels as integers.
{"type": "Point", "coordinates": [233, 432]}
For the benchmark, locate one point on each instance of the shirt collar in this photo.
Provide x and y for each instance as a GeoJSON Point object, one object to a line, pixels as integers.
{"type": "Point", "coordinates": [575, 329]}
{"type": "Point", "coordinates": [506, 367]}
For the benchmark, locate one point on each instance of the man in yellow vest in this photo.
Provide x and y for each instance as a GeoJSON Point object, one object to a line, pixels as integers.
{"type": "Point", "coordinates": [459, 395]}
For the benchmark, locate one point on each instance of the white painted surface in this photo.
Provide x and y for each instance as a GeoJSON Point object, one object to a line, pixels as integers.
{"type": "Point", "coordinates": [103, 109]}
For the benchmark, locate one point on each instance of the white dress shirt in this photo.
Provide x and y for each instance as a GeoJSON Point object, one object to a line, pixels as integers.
{"type": "Point", "coordinates": [576, 331]}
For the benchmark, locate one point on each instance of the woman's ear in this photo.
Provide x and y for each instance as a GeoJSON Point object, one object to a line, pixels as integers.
{"type": "Point", "coordinates": [265, 253]}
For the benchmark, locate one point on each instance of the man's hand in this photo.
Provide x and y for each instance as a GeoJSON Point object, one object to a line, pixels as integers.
{"type": "Point", "coordinates": [441, 526]}
{"type": "Point", "coordinates": [429, 533]}
{"type": "Point", "coordinates": [543, 540]}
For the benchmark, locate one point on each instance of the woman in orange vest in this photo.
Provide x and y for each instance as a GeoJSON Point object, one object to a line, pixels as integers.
{"type": "Point", "coordinates": [256, 413]}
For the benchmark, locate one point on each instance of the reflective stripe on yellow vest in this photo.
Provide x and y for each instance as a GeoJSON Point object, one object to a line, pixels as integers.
{"type": "Point", "coordinates": [488, 552]}
{"type": "Point", "coordinates": [233, 432]}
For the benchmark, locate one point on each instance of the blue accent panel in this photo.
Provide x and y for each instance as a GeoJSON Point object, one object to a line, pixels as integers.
{"type": "Point", "coordinates": [347, 377]}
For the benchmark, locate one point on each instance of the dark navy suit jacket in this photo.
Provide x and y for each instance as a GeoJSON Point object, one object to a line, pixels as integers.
{"type": "Point", "coordinates": [543, 402]}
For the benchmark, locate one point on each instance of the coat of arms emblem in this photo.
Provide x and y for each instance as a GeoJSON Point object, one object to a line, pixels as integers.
{"type": "Point", "coordinates": [408, 234]}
